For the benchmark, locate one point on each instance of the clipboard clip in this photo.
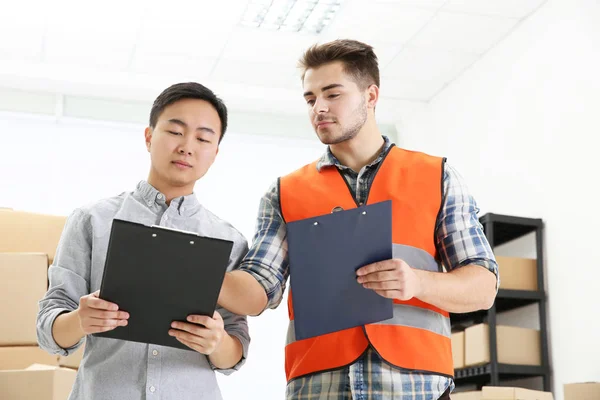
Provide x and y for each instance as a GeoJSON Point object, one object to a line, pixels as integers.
{"type": "Point", "coordinates": [175, 230]}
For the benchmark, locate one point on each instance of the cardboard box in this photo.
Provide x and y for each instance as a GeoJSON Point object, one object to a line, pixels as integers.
{"type": "Point", "coordinates": [458, 349]}
{"type": "Point", "coordinates": [582, 391]}
{"type": "Point", "coordinates": [73, 360]}
{"type": "Point", "coordinates": [23, 356]}
{"type": "Point", "coordinates": [513, 393]}
{"type": "Point", "coordinates": [517, 273]}
{"type": "Point", "coordinates": [515, 345]}
{"type": "Point", "coordinates": [37, 382]}
{"type": "Point", "coordinates": [475, 395]}
{"type": "Point", "coordinates": [23, 282]}
{"type": "Point", "coordinates": [23, 232]}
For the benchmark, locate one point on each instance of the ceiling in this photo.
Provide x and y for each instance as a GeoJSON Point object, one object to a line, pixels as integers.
{"type": "Point", "coordinates": [131, 49]}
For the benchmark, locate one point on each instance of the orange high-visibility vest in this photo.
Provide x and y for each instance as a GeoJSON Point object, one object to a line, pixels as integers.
{"type": "Point", "coordinates": [417, 338]}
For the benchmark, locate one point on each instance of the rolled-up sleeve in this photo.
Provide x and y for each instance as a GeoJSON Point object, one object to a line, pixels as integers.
{"type": "Point", "coordinates": [68, 278]}
{"type": "Point", "coordinates": [235, 325]}
{"type": "Point", "coordinates": [267, 260]}
{"type": "Point", "coordinates": [460, 238]}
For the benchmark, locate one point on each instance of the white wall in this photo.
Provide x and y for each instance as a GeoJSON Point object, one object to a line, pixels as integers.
{"type": "Point", "coordinates": [53, 167]}
{"type": "Point", "coordinates": [522, 127]}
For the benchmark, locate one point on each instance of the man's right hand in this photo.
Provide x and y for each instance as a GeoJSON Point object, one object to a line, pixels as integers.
{"type": "Point", "coordinates": [97, 315]}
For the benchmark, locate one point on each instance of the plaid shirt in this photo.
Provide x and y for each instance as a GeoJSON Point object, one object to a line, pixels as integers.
{"type": "Point", "coordinates": [460, 241]}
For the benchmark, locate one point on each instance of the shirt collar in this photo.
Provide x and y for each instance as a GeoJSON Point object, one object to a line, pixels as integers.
{"type": "Point", "coordinates": [329, 160]}
{"type": "Point", "coordinates": [186, 205]}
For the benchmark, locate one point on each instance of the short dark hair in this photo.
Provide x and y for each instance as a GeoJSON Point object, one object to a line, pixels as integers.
{"type": "Point", "coordinates": [358, 58]}
{"type": "Point", "coordinates": [188, 90]}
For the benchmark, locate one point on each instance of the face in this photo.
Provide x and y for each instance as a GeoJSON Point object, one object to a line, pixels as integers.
{"type": "Point", "coordinates": [184, 143]}
{"type": "Point", "coordinates": [337, 107]}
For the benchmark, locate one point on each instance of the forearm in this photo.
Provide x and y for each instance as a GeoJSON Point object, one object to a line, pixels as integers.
{"type": "Point", "coordinates": [66, 330]}
{"type": "Point", "coordinates": [242, 294]}
{"type": "Point", "coordinates": [465, 289]}
{"type": "Point", "coordinates": [228, 354]}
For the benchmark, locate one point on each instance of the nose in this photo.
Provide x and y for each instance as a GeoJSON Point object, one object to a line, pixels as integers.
{"type": "Point", "coordinates": [320, 106]}
{"type": "Point", "coordinates": [185, 148]}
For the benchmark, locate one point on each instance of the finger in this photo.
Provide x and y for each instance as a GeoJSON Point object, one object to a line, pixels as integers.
{"type": "Point", "coordinates": [106, 322]}
{"type": "Point", "coordinates": [217, 316]}
{"type": "Point", "coordinates": [386, 265]}
{"type": "Point", "coordinates": [192, 345]}
{"type": "Point", "coordinates": [389, 294]}
{"type": "Point", "coordinates": [95, 313]}
{"type": "Point", "coordinates": [205, 320]}
{"type": "Point", "coordinates": [191, 328]}
{"type": "Point", "coordinates": [98, 329]}
{"type": "Point", "coordinates": [394, 294]}
{"type": "Point", "coordinates": [95, 294]}
{"type": "Point", "coordinates": [387, 285]}
{"type": "Point", "coordinates": [99, 304]}
{"type": "Point", "coordinates": [377, 277]}
{"type": "Point", "coordinates": [186, 336]}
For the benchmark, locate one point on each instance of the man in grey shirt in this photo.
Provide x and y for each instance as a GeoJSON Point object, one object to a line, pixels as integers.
{"type": "Point", "coordinates": [187, 123]}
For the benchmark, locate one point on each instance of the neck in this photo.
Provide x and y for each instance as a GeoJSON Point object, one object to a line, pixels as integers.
{"type": "Point", "coordinates": [361, 150]}
{"type": "Point", "coordinates": [168, 190]}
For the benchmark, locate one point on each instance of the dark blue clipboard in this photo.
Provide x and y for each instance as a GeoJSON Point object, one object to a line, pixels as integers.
{"type": "Point", "coordinates": [324, 254]}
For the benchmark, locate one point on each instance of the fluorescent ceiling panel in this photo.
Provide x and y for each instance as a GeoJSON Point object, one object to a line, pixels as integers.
{"type": "Point", "coordinates": [305, 16]}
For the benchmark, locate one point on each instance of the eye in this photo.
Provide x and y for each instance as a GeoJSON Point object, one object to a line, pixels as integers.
{"type": "Point", "coordinates": [174, 133]}
{"type": "Point", "coordinates": [333, 96]}
{"type": "Point", "coordinates": [310, 102]}
{"type": "Point", "coordinates": [203, 140]}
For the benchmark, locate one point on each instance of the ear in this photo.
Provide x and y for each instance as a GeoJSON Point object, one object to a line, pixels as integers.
{"type": "Point", "coordinates": [148, 137]}
{"type": "Point", "coordinates": [372, 96]}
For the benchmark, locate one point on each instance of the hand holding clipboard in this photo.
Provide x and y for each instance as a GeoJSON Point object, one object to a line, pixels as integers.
{"type": "Point", "coordinates": [160, 275]}
{"type": "Point", "coordinates": [324, 253]}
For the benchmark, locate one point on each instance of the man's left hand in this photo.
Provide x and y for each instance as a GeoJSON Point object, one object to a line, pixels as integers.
{"type": "Point", "coordinates": [200, 333]}
{"type": "Point", "coordinates": [393, 279]}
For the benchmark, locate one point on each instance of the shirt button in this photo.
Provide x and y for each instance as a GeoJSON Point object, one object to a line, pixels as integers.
{"type": "Point", "coordinates": [154, 352]}
{"type": "Point", "coordinates": [361, 203]}
{"type": "Point", "coordinates": [150, 204]}
{"type": "Point", "coordinates": [152, 389]}
{"type": "Point", "coordinates": [160, 196]}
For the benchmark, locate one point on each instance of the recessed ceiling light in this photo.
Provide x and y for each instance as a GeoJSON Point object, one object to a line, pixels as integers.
{"type": "Point", "coordinates": [306, 16]}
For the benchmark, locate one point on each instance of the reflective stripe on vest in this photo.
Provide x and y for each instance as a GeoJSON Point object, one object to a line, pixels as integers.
{"type": "Point", "coordinates": [404, 315]}
{"type": "Point", "coordinates": [417, 338]}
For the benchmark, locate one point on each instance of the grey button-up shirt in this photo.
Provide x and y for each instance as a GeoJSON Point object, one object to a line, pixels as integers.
{"type": "Point", "coordinates": [117, 369]}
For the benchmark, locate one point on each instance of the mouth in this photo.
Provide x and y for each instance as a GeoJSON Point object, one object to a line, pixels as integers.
{"type": "Point", "coordinates": [182, 164]}
{"type": "Point", "coordinates": [324, 124]}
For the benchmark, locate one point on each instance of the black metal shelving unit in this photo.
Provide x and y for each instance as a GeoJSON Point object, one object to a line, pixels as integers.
{"type": "Point", "coordinates": [500, 229]}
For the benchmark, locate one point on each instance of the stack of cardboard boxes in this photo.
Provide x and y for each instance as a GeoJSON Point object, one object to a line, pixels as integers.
{"type": "Point", "coordinates": [516, 345]}
{"type": "Point", "coordinates": [28, 244]}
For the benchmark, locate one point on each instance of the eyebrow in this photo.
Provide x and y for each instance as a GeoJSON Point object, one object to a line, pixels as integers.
{"type": "Point", "coordinates": [184, 125]}
{"type": "Point", "coordinates": [324, 88]}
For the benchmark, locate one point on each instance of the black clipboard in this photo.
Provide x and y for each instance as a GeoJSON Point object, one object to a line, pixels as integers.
{"type": "Point", "coordinates": [324, 253]}
{"type": "Point", "coordinates": [160, 275]}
